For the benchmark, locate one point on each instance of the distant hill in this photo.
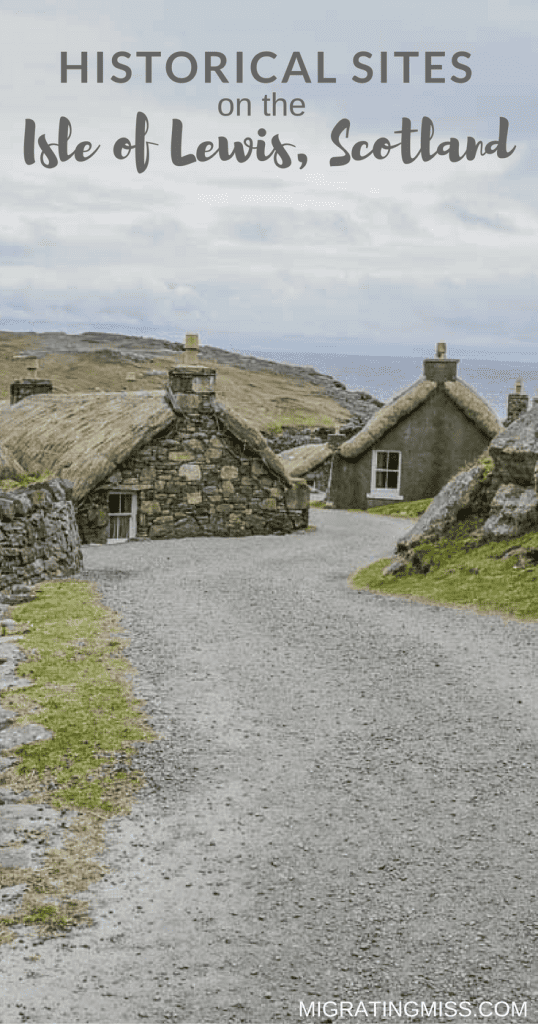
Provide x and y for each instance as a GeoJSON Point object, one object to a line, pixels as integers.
{"type": "Point", "coordinates": [270, 395]}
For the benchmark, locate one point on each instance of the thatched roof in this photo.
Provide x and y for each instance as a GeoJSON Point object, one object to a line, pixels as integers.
{"type": "Point", "coordinates": [474, 407]}
{"type": "Point", "coordinates": [252, 439]}
{"type": "Point", "coordinates": [84, 437]}
{"type": "Point", "coordinates": [470, 403]}
{"type": "Point", "coordinates": [10, 469]}
{"type": "Point", "coordinates": [386, 418]}
{"type": "Point", "coordinates": [305, 458]}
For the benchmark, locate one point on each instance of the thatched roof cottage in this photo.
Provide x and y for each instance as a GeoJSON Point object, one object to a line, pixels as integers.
{"type": "Point", "coordinates": [415, 443]}
{"type": "Point", "coordinates": [157, 464]}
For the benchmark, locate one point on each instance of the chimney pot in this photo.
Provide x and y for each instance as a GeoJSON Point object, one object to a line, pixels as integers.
{"type": "Point", "coordinates": [517, 403]}
{"type": "Point", "coordinates": [190, 355]}
{"type": "Point", "coordinates": [441, 350]}
{"type": "Point", "coordinates": [335, 440]}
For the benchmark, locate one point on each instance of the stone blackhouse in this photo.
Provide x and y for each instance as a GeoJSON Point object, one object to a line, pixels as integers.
{"type": "Point", "coordinates": [157, 464]}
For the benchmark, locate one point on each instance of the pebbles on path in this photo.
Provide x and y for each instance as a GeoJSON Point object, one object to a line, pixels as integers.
{"type": "Point", "coordinates": [340, 805]}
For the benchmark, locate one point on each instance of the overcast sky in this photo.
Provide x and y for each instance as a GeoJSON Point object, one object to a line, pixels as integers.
{"type": "Point", "coordinates": [375, 256]}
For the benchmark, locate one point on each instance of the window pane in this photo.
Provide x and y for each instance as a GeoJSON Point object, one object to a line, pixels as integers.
{"type": "Point", "coordinates": [392, 480]}
{"type": "Point", "coordinates": [119, 527]}
{"type": "Point", "coordinates": [394, 460]}
{"type": "Point", "coordinates": [380, 479]}
{"type": "Point", "coordinates": [125, 502]}
{"type": "Point", "coordinates": [381, 460]}
{"type": "Point", "coordinates": [113, 503]}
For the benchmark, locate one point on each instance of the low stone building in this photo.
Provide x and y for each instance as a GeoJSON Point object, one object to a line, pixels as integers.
{"type": "Point", "coordinates": [157, 464]}
{"type": "Point", "coordinates": [415, 443]}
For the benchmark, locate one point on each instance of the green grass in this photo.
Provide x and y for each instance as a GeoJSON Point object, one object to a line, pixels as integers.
{"type": "Point", "coordinates": [82, 693]}
{"type": "Point", "coordinates": [402, 509]}
{"type": "Point", "coordinates": [465, 575]}
{"type": "Point", "coordinates": [24, 481]}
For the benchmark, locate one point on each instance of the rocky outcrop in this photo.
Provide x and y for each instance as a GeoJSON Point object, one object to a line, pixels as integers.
{"type": "Point", "coordinates": [515, 450]}
{"type": "Point", "coordinates": [459, 498]}
{"type": "Point", "coordinates": [514, 510]}
{"type": "Point", "coordinates": [39, 538]}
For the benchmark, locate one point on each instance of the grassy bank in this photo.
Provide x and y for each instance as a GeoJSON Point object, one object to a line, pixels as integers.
{"type": "Point", "coordinates": [460, 573]}
{"type": "Point", "coordinates": [81, 692]}
{"type": "Point", "coordinates": [402, 509]}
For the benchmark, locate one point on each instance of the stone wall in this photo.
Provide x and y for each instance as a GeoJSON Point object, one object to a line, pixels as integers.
{"type": "Point", "coordinates": [197, 479]}
{"type": "Point", "coordinates": [294, 437]}
{"type": "Point", "coordinates": [39, 538]}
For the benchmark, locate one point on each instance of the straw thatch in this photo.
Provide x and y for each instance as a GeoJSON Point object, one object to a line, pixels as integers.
{"type": "Point", "coordinates": [82, 437]}
{"type": "Point", "coordinates": [305, 458]}
{"type": "Point", "coordinates": [470, 403]}
{"type": "Point", "coordinates": [10, 469]}
{"type": "Point", "coordinates": [253, 440]}
{"type": "Point", "coordinates": [473, 406]}
{"type": "Point", "coordinates": [386, 418]}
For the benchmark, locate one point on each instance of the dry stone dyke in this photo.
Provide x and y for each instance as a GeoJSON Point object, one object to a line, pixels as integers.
{"type": "Point", "coordinates": [39, 538]}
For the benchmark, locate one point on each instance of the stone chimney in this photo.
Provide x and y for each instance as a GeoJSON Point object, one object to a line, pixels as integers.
{"type": "Point", "coordinates": [31, 385]}
{"type": "Point", "coordinates": [335, 440]}
{"type": "Point", "coordinates": [440, 369]}
{"type": "Point", "coordinates": [517, 403]}
{"type": "Point", "coordinates": [192, 387]}
{"type": "Point", "coordinates": [190, 355]}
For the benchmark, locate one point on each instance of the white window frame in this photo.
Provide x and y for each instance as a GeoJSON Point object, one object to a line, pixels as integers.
{"type": "Point", "coordinates": [385, 492]}
{"type": "Point", "coordinates": [133, 517]}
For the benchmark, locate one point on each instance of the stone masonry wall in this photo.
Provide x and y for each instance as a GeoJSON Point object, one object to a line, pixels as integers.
{"type": "Point", "coordinates": [196, 479]}
{"type": "Point", "coordinates": [295, 437]}
{"type": "Point", "coordinates": [39, 538]}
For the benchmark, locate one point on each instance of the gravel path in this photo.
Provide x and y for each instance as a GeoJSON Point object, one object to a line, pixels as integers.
{"type": "Point", "coordinates": [341, 805]}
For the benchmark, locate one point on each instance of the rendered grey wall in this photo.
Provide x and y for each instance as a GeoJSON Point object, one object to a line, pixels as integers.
{"type": "Point", "coordinates": [436, 441]}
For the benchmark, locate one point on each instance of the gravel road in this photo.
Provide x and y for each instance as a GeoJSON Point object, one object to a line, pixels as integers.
{"type": "Point", "coordinates": [341, 804]}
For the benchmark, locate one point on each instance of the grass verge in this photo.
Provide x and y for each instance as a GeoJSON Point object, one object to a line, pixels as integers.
{"type": "Point", "coordinates": [23, 481]}
{"type": "Point", "coordinates": [82, 692]}
{"type": "Point", "coordinates": [464, 574]}
{"type": "Point", "coordinates": [402, 509]}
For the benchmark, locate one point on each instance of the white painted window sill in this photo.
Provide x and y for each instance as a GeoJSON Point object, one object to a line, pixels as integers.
{"type": "Point", "coordinates": [386, 494]}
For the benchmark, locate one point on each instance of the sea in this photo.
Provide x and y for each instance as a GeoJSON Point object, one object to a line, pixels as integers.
{"type": "Point", "coordinates": [383, 376]}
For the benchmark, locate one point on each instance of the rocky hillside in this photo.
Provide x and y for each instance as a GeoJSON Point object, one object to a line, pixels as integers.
{"type": "Point", "coordinates": [271, 395]}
